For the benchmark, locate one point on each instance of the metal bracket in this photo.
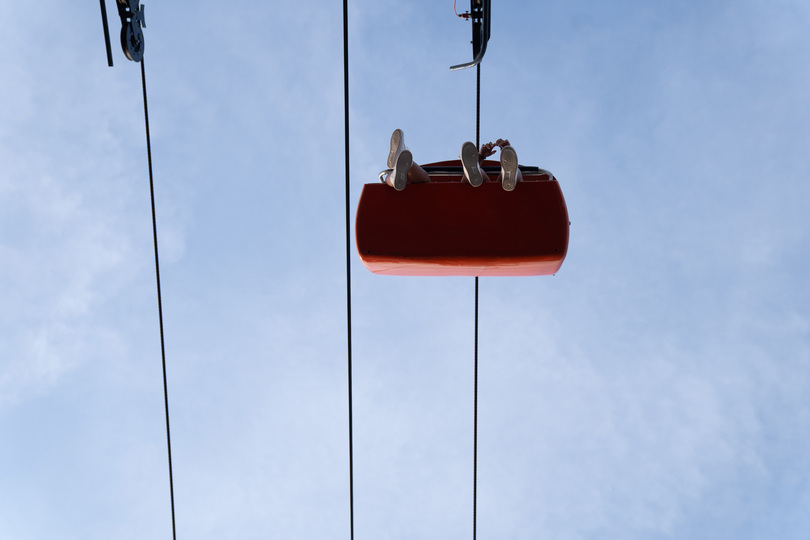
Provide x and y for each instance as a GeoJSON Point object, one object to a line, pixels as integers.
{"type": "Point", "coordinates": [132, 19]}
{"type": "Point", "coordinates": [480, 14]}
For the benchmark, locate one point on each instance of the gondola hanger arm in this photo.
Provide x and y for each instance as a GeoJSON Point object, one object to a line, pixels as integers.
{"type": "Point", "coordinates": [480, 14]}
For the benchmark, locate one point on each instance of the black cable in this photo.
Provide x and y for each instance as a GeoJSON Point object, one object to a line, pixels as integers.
{"type": "Point", "coordinates": [348, 254]}
{"type": "Point", "coordinates": [160, 303]}
{"type": "Point", "coordinates": [475, 420]}
{"type": "Point", "coordinates": [478, 106]}
{"type": "Point", "coordinates": [475, 413]}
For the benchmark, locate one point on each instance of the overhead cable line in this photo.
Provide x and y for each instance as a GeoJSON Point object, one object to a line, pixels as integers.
{"type": "Point", "coordinates": [160, 302]}
{"type": "Point", "coordinates": [132, 43]}
{"type": "Point", "coordinates": [348, 256]}
{"type": "Point", "coordinates": [475, 420]}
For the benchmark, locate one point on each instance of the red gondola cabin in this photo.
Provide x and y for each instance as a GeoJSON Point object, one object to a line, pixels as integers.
{"type": "Point", "coordinates": [450, 228]}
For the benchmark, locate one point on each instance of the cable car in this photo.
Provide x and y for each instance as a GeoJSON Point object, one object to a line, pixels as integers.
{"type": "Point", "coordinates": [446, 227]}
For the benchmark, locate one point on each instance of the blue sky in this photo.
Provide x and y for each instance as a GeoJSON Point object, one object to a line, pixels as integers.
{"type": "Point", "coordinates": [657, 387]}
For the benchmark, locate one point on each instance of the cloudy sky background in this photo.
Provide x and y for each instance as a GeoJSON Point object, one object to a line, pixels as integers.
{"type": "Point", "coordinates": [657, 387]}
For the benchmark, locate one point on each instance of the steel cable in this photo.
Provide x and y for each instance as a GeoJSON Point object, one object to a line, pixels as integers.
{"type": "Point", "coordinates": [348, 255]}
{"type": "Point", "coordinates": [160, 302]}
{"type": "Point", "coordinates": [475, 411]}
